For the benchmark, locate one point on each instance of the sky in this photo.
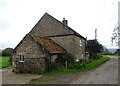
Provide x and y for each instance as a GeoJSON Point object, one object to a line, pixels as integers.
{"type": "Point", "coordinates": [18, 17]}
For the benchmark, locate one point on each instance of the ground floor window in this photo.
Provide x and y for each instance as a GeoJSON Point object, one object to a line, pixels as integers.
{"type": "Point", "coordinates": [21, 58]}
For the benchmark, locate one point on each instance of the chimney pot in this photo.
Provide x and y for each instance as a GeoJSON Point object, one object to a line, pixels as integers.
{"type": "Point", "coordinates": [65, 22]}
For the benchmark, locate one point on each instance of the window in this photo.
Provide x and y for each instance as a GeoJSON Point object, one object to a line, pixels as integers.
{"type": "Point", "coordinates": [80, 42]}
{"type": "Point", "coordinates": [21, 58]}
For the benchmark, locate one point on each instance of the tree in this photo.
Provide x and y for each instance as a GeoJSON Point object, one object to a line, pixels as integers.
{"type": "Point", "coordinates": [106, 52]}
{"type": "Point", "coordinates": [117, 52]}
{"type": "Point", "coordinates": [7, 52]}
{"type": "Point", "coordinates": [93, 46]}
{"type": "Point", "coordinates": [116, 36]}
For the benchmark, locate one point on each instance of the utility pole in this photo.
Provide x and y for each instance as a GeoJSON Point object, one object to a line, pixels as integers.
{"type": "Point", "coordinates": [95, 34]}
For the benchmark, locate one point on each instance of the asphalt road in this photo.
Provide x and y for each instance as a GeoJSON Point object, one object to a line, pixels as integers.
{"type": "Point", "coordinates": [107, 73]}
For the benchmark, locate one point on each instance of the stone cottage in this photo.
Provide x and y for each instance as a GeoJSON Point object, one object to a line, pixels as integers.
{"type": "Point", "coordinates": [48, 38]}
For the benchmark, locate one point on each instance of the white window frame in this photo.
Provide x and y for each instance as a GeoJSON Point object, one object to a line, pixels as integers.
{"type": "Point", "coordinates": [80, 41]}
{"type": "Point", "coordinates": [21, 59]}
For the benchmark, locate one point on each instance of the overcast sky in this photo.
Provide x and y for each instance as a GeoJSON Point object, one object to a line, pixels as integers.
{"type": "Point", "coordinates": [17, 18]}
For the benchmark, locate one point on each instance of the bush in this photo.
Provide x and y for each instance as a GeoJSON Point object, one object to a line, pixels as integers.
{"type": "Point", "coordinates": [84, 60]}
{"type": "Point", "coordinates": [94, 56]}
{"type": "Point", "coordinates": [7, 52]}
{"type": "Point", "coordinates": [59, 63]}
{"type": "Point", "coordinates": [64, 57]}
{"type": "Point", "coordinates": [55, 66]}
{"type": "Point", "coordinates": [76, 65]}
{"type": "Point", "coordinates": [99, 55]}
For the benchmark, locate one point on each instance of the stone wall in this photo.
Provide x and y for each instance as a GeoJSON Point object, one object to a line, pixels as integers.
{"type": "Point", "coordinates": [31, 65]}
{"type": "Point", "coordinates": [49, 26]}
{"type": "Point", "coordinates": [33, 53]}
{"type": "Point", "coordinates": [72, 45]}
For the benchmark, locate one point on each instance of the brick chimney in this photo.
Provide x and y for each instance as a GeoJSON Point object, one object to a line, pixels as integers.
{"type": "Point", "coordinates": [65, 22]}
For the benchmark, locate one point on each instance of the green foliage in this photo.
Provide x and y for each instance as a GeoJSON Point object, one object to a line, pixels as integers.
{"type": "Point", "coordinates": [89, 66]}
{"type": "Point", "coordinates": [59, 63]}
{"type": "Point", "coordinates": [0, 52]}
{"type": "Point", "coordinates": [85, 60]}
{"type": "Point", "coordinates": [96, 62]}
{"type": "Point", "coordinates": [80, 64]}
{"type": "Point", "coordinates": [64, 57]}
{"type": "Point", "coordinates": [117, 52]}
{"type": "Point", "coordinates": [7, 52]}
{"type": "Point", "coordinates": [76, 65]}
{"type": "Point", "coordinates": [93, 46]}
{"type": "Point", "coordinates": [94, 56]}
{"type": "Point", "coordinates": [106, 52]}
{"type": "Point", "coordinates": [55, 66]}
{"type": "Point", "coordinates": [4, 62]}
{"type": "Point", "coordinates": [99, 56]}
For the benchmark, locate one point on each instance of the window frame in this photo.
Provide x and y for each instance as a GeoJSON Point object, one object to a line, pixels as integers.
{"type": "Point", "coordinates": [21, 58]}
{"type": "Point", "coordinates": [80, 43]}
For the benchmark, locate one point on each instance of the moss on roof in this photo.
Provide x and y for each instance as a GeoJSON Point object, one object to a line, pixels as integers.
{"type": "Point", "coordinates": [48, 44]}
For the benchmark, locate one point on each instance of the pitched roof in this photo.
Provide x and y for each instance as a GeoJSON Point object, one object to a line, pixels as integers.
{"type": "Point", "coordinates": [48, 44]}
{"type": "Point", "coordinates": [49, 26]}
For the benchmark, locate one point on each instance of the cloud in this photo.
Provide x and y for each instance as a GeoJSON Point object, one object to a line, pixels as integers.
{"type": "Point", "coordinates": [82, 15]}
{"type": "Point", "coordinates": [4, 4]}
{"type": "Point", "coordinates": [3, 45]}
{"type": "Point", "coordinates": [4, 24]}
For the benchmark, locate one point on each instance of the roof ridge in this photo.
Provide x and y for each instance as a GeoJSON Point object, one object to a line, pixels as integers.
{"type": "Point", "coordinates": [47, 14]}
{"type": "Point", "coordinates": [76, 33]}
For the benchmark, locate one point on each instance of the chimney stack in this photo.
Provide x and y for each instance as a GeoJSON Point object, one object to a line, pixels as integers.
{"type": "Point", "coordinates": [65, 22]}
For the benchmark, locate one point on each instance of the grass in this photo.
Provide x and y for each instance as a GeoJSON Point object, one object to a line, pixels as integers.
{"type": "Point", "coordinates": [115, 55]}
{"type": "Point", "coordinates": [4, 62]}
{"type": "Point", "coordinates": [91, 65]}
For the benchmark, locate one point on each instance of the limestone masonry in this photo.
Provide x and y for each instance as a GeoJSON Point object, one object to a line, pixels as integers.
{"type": "Point", "coordinates": [41, 46]}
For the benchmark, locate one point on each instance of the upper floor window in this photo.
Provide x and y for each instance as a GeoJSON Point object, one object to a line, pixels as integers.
{"type": "Point", "coordinates": [80, 41]}
{"type": "Point", "coordinates": [21, 59]}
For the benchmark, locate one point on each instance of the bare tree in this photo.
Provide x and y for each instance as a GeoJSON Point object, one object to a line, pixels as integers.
{"type": "Point", "coordinates": [116, 36]}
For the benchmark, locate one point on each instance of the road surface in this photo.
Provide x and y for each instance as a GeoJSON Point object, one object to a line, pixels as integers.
{"type": "Point", "coordinates": [107, 73]}
{"type": "Point", "coordinates": [9, 77]}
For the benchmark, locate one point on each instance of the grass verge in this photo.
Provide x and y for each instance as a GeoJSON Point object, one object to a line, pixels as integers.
{"type": "Point", "coordinates": [91, 65]}
{"type": "Point", "coordinates": [115, 55]}
{"type": "Point", "coordinates": [4, 62]}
